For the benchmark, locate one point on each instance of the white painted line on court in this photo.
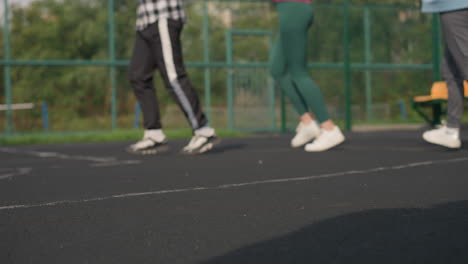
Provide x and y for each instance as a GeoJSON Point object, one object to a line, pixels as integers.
{"type": "Point", "coordinates": [103, 161]}
{"type": "Point", "coordinates": [237, 185]}
{"type": "Point", "coordinates": [116, 163]}
{"type": "Point", "coordinates": [46, 154]}
{"type": "Point", "coordinates": [14, 172]}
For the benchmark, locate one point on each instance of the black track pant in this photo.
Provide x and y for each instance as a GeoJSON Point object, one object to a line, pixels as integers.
{"type": "Point", "coordinates": [158, 47]}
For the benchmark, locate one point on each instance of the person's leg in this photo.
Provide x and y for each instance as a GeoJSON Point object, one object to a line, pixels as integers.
{"type": "Point", "coordinates": [141, 69]}
{"type": "Point", "coordinates": [454, 70]}
{"type": "Point", "coordinates": [307, 129]}
{"type": "Point", "coordinates": [167, 50]}
{"type": "Point", "coordinates": [279, 72]}
{"type": "Point", "coordinates": [140, 73]}
{"type": "Point", "coordinates": [295, 19]}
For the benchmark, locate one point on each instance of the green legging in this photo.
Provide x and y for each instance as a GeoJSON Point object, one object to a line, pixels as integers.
{"type": "Point", "coordinates": [289, 60]}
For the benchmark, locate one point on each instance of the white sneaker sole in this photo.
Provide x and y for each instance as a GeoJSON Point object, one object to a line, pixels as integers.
{"type": "Point", "coordinates": [302, 144]}
{"type": "Point", "coordinates": [454, 145]}
{"type": "Point", "coordinates": [208, 146]}
{"type": "Point", "coordinates": [158, 150]}
{"type": "Point", "coordinates": [338, 142]}
{"type": "Point", "coordinates": [312, 134]}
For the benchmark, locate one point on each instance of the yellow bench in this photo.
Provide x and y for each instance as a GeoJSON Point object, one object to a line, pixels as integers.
{"type": "Point", "coordinates": [439, 95]}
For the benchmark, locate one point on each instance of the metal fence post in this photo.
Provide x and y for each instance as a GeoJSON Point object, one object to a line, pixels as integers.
{"type": "Point", "coordinates": [230, 88]}
{"type": "Point", "coordinates": [45, 116]}
{"type": "Point", "coordinates": [347, 66]}
{"type": "Point", "coordinates": [436, 47]}
{"type": "Point", "coordinates": [111, 34]}
{"type": "Point", "coordinates": [206, 60]}
{"type": "Point", "coordinates": [136, 123]}
{"type": "Point", "coordinates": [436, 108]}
{"type": "Point", "coordinates": [368, 61]}
{"type": "Point", "coordinates": [402, 105]}
{"type": "Point", "coordinates": [271, 84]}
{"type": "Point", "coordinates": [283, 112]}
{"type": "Point", "coordinates": [7, 69]}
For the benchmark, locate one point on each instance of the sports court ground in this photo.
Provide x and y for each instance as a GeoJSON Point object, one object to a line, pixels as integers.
{"type": "Point", "coordinates": [382, 197]}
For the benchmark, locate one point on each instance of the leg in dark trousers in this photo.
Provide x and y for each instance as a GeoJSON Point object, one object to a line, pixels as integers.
{"type": "Point", "coordinates": [455, 64]}
{"type": "Point", "coordinates": [159, 47]}
{"type": "Point", "coordinates": [455, 70]}
{"type": "Point", "coordinates": [141, 70]}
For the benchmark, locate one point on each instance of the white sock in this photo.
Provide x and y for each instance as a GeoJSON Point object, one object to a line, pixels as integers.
{"type": "Point", "coordinates": [205, 131]}
{"type": "Point", "coordinates": [155, 134]}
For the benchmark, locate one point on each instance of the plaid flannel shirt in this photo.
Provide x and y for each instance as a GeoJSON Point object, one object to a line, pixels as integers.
{"type": "Point", "coordinates": [149, 11]}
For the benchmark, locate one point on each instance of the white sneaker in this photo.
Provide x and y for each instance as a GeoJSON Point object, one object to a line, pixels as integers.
{"type": "Point", "coordinates": [305, 133]}
{"type": "Point", "coordinates": [148, 146]}
{"type": "Point", "coordinates": [203, 140]}
{"type": "Point", "coordinates": [299, 126]}
{"type": "Point", "coordinates": [326, 140]}
{"type": "Point", "coordinates": [444, 136]}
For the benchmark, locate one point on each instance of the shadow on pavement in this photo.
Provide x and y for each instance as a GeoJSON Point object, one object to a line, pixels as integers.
{"type": "Point", "coordinates": [404, 236]}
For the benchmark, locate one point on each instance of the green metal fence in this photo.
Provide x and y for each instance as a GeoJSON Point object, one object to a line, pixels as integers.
{"type": "Point", "coordinates": [252, 88]}
{"type": "Point", "coordinates": [354, 29]}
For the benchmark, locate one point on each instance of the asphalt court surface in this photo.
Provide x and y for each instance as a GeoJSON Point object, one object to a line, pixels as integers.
{"type": "Point", "coordinates": [382, 197]}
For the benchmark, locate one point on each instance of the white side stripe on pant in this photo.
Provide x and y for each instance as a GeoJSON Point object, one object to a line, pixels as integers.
{"type": "Point", "coordinates": [171, 71]}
